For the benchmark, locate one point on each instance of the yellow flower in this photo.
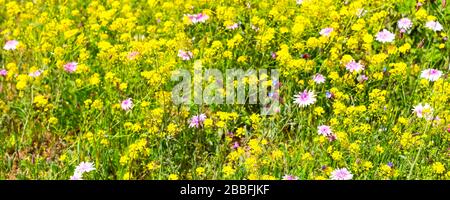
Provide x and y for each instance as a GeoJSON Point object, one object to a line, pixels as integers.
{"type": "Point", "coordinates": [95, 79]}
{"type": "Point", "coordinates": [172, 128]}
{"type": "Point", "coordinates": [220, 124]}
{"type": "Point", "coordinates": [40, 101]}
{"type": "Point", "coordinates": [252, 176]}
{"type": "Point", "coordinates": [240, 132]}
{"type": "Point", "coordinates": [21, 85]}
{"type": "Point", "coordinates": [354, 147]}
{"type": "Point", "coordinates": [208, 122]}
{"type": "Point", "coordinates": [145, 104]}
{"type": "Point", "coordinates": [152, 166]}
{"type": "Point", "coordinates": [228, 170]}
{"type": "Point", "coordinates": [367, 38]}
{"type": "Point", "coordinates": [124, 160]}
{"type": "Point", "coordinates": [173, 177]}
{"type": "Point", "coordinates": [277, 154]}
{"type": "Point", "coordinates": [62, 158]}
{"type": "Point", "coordinates": [200, 171]}
{"type": "Point", "coordinates": [367, 165]}
{"type": "Point", "coordinates": [424, 82]}
{"type": "Point", "coordinates": [320, 178]}
{"type": "Point", "coordinates": [404, 48]}
{"type": "Point", "coordinates": [127, 176]}
{"type": "Point", "coordinates": [336, 155]}
{"type": "Point", "coordinates": [123, 86]}
{"type": "Point", "coordinates": [438, 168]}
{"type": "Point", "coordinates": [254, 118]}
{"type": "Point", "coordinates": [307, 156]}
{"type": "Point", "coordinates": [421, 14]}
{"type": "Point", "coordinates": [53, 120]}
{"type": "Point", "coordinates": [402, 120]}
{"type": "Point", "coordinates": [379, 149]}
{"type": "Point", "coordinates": [97, 104]}
{"type": "Point", "coordinates": [319, 111]}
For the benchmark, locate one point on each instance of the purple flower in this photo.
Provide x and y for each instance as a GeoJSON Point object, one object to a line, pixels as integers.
{"type": "Point", "coordinates": [290, 177]}
{"type": "Point", "coordinates": [326, 32]}
{"type": "Point", "coordinates": [197, 120]}
{"type": "Point", "coordinates": [185, 55]}
{"type": "Point", "coordinates": [132, 55]}
{"type": "Point", "coordinates": [71, 67]}
{"type": "Point", "coordinates": [3, 72]}
{"type": "Point", "coordinates": [390, 164]}
{"type": "Point", "coordinates": [197, 18]}
{"type": "Point", "coordinates": [35, 73]}
{"type": "Point", "coordinates": [324, 130]}
{"type": "Point", "coordinates": [236, 145]}
{"type": "Point", "coordinates": [361, 78]}
{"type": "Point", "coordinates": [127, 104]}
{"type": "Point", "coordinates": [276, 83]}
{"type": "Point", "coordinates": [202, 117]}
{"type": "Point", "coordinates": [274, 55]}
{"type": "Point", "coordinates": [233, 26]}
{"type": "Point", "coordinates": [329, 95]}
{"type": "Point", "coordinates": [230, 134]}
{"type": "Point", "coordinates": [202, 17]}
{"type": "Point", "coordinates": [332, 137]}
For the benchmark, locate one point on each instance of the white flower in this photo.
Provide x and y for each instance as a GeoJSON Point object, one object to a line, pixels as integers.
{"type": "Point", "coordinates": [341, 174]}
{"type": "Point", "coordinates": [85, 167]}
{"type": "Point", "coordinates": [434, 25]}
{"type": "Point", "coordinates": [319, 78]}
{"type": "Point", "coordinates": [326, 32]}
{"type": "Point", "coordinates": [404, 24]}
{"type": "Point", "coordinates": [423, 111]}
{"type": "Point", "coordinates": [353, 66]}
{"type": "Point", "coordinates": [76, 176]}
{"type": "Point", "coordinates": [431, 74]}
{"type": "Point", "coordinates": [361, 12]}
{"type": "Point", "coordinates": [305, 98]}
{"type": "Point", "coordinates": [385, 36]}
{"type": "Point", "coordinates": [11, 45]}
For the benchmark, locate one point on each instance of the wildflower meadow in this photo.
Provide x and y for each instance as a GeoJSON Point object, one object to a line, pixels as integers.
{"type": "Point", "coordinates": [225, 89]}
